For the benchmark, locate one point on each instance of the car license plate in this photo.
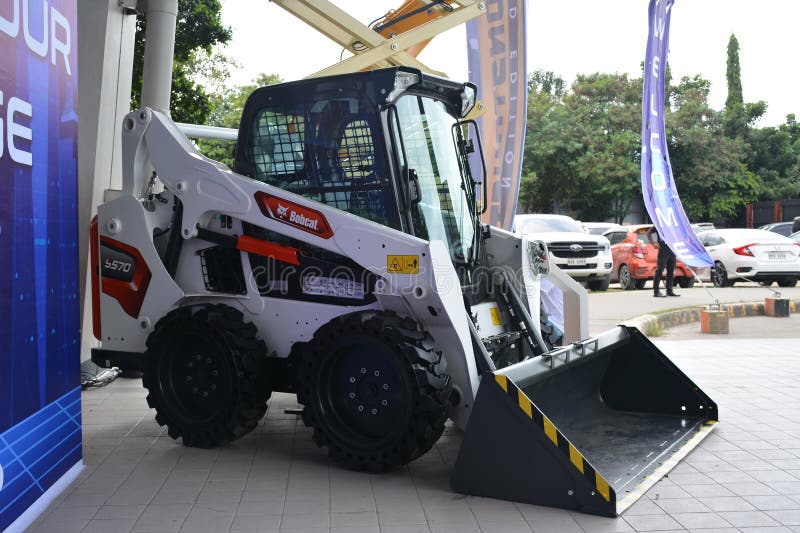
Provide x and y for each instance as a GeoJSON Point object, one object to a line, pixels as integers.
{"type": "Point", "coordinates": [576, 261]}
{"type": "Point", "coordinates": [776, 256]}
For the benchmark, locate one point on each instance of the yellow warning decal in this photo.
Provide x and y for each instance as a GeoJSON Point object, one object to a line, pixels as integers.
{"type": "Point", "coordinates": [495, 312]}
{"type": "Point", "coordinates": [602, 486]}
{"type": "Point", "coordinates": [576, 457]}
{"type": "Point", "coordinates": [502, 381]}
{"type": "Point", "coordinates": [402, 264]}
{"type": "Point", "coordinates": [525, 404]}
{"type": "Point", "coordinates": [550, 430]}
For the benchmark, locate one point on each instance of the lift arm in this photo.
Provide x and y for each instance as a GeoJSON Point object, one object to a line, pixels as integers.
{"type": "Point", "coordinates": [370, 48]}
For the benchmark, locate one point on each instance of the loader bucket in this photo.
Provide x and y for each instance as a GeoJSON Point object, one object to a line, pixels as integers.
{"type": "Point", "coordinates": [589, 427]}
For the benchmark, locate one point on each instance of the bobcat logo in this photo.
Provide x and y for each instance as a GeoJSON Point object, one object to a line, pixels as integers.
{"type": "Point", "coordinates": [282, 210]}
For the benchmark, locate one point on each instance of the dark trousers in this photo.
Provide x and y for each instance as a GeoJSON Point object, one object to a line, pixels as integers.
{"type": "Point", "coordinates": [666, 259]}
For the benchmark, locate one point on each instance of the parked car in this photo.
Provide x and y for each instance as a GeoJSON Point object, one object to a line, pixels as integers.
{"type": "Point", "coordinates": [752, 254]}
{"type": "Point", "coordinates": [781, 228]}
{"type": "Point", "coordinates": [583, 256]}
{"type": "Point", "coordinates": [635, 258]}
{"type": "Point", "coordinates": [699, 227]}
{"type": "Point", "coordinates": [598, 228]}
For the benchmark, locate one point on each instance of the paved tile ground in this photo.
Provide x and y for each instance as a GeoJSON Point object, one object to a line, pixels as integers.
{"type": "Point", "coordinates": [744, 477]}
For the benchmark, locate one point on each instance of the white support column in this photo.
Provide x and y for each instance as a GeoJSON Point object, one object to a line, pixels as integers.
{"type": "Point", "coordinates": [158, 54]}
{"type": "Point", "coordinates": [105, 47]}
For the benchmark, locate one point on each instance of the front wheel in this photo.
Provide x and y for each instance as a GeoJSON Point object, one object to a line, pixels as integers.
{"type": "Point", "coordinates": [203, 370]}
{"type": "Point", "coordinates": [598, 284]}
{"type": "Point", "coordinates": [374, 390]}
{"type": "Point", "coordinates": [626, 281]}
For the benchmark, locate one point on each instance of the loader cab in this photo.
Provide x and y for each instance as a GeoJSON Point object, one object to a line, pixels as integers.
{"type": "Point", "coordinates": [385, 145]}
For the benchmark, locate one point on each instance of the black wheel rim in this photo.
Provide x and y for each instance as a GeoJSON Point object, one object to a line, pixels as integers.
{"type": "Point", "coordinates": [364, 393]}
{"type": "Point", "coordinates": [196, 379]}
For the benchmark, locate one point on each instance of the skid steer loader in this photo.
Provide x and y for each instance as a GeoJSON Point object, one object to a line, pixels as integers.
{"type": "Point", "coordinates": [343, 259]}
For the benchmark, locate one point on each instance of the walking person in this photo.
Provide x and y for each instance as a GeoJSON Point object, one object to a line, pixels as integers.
{"type": "Point", "coordinates": [666, 259]}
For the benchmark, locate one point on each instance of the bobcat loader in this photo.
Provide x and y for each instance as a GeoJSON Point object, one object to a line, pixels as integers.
{"type": "Point", "coordinates": [343, 259]}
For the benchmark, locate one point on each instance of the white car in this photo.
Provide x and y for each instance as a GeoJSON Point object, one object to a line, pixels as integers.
{"type": "Point", "coordinates": [752, 255]}
{"type": "Point", "coordinates": [598, 228]}
{"type": "Point", "coordinates": [585, 257]}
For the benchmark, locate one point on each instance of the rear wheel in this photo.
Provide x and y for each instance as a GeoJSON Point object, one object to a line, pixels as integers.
{"type": "Point", "coordinates": [598, 284]}
{"type": "Point", "coordinates": [626, 281]}
{"type": "Point", "coordinates": [686, 282]}
{"type": "Point", "coordinates": [787, 282]}
{"type": "Point", "coordinates": [374, 390]}
{"type": "Point", "coordinates": [203, 370]}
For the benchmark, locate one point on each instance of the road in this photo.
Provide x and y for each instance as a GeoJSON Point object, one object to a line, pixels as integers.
{"type": "Point", "coordinates": [608, 309]}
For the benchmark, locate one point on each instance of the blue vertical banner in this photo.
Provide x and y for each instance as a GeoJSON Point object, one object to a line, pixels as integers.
{"type": "Point", "coordinates": [658, 186]}
{"type": "Point", "coordinates": [496, 56]}
{"type": "Point", "coordinates": [40, 434]}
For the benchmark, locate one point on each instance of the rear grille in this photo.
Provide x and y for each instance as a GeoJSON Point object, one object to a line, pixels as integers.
{"type": "Point", "coordinates": [562, 249]}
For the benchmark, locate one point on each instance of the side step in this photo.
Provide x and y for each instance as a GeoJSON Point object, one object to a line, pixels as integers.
{"type": "Point", "coordinates": [589, 427]}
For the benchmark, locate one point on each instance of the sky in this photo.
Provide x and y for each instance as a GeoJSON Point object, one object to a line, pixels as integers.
{"type": "Point", "coordinates": [567, 37]}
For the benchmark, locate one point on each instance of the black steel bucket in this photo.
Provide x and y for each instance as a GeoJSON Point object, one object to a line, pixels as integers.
{"type": "Point", "coordinates": [589, 427]}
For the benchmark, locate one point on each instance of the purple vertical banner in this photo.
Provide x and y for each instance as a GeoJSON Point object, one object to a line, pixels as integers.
{"type": "Point", "coordinates": [496, 55]}
{"type": "Point", "coordinates": [40, 430]}
{"type": "Point", "coordinates": [658, 186]}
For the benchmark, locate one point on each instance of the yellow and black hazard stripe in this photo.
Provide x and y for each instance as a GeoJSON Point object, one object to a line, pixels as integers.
{"type": "Point", "coordinates": [557, 438]}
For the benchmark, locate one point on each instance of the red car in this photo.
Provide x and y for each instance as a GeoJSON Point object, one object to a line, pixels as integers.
{"type": "Point", "coordinates": [635, 258]}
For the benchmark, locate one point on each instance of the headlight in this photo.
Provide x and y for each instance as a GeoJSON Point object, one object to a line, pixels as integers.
{"type": "Point", "coordinates": [538, 258]}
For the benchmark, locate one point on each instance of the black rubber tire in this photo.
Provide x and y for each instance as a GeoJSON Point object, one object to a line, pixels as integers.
{"type": "Point", "coordinates": [600, 284]}
{"type": "Point", "coordinates": [766, 283]}
{"type": "Point", "coordinates": [685, 282]}
{"type": "Point", "coordinates": [638, 284]}
{"type": "Point", "coordinates": [626, 281]}
{"type": "Point", "coordinates": [719, 276]}
{"type": "Point", "coordinates": [374, 390]}
{"type": "Point", "coordinates": [215, 352]}
{"type": "Point", "coordinates": [787, 282]}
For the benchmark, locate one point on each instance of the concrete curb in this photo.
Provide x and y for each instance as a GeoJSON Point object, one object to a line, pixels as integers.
{"type": "Point", "coordinates": [646, 323]}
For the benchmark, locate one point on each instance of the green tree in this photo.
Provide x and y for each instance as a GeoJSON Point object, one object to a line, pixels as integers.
{"type": "Point", "coordinates": [199, 29]}
{"type": "Point", "coordinates": [769, 152]}
{"type": "Point", "coordinates": [228, 105]}
{"type": "Point", "coordinates": [582, 145]}
{"type": "Point", "coordinates": [607, 173]}
{"type": "Point", "coordinates": [773, 156]}
{"type": "Point", "coordinates": [739, 116]}
{"type": "Point", "coordinates": [733, 74]}
{"type": "Point", "coordinates": [583, 149]}
{"type": "Point", "coordinates": [709, 167]}
{"type": "Point", "coordinates": [545, 81]}
{"type": "Point", "coordinates": [549, 147]}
